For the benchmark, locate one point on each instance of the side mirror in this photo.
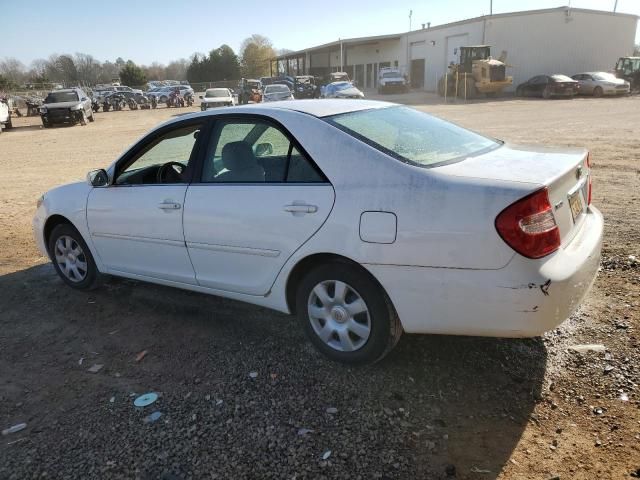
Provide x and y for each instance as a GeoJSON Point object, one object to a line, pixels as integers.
{"type": "Point", "coordinates": [98, 178]}
{"type": "Point", "coordinates": [263, 149]}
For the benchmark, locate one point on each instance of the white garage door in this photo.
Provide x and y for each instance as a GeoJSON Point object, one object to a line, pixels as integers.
{"type": "Point", "coordinates": [454, 43]}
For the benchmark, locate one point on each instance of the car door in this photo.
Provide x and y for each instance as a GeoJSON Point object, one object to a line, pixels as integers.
{"type": "Point", "coordinates": [258, 199]}
{"type": "Point", "coordinates": [136, 221]}
{"type": "Point", "coordinates": [587, 84]}
{"type": "Point", "coordinates": [538, 85]}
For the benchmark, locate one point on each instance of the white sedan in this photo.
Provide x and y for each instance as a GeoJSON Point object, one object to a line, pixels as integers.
{"type": "Point", "coordinates": [363, 218]}
{"type": "Point", "coordinates": [216, 97]}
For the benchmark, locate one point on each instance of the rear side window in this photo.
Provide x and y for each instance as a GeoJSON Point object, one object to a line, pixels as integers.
{"type": "Point", "coordinates": [413, 136]}
{"type": "Point", "coordinates": [256, 152]}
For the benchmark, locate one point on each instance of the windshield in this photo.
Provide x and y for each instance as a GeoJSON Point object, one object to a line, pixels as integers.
{"type": "Point", "coordinates": [276, 89]}
{"type": "Point", "coordinates": [609, 77]}
{"type": "Point", "coordinates": [390, 75]}
{"type": "Point", "coordinates": [562, 78]}
{"type": "Point", "coordinates": [58, 97]}
{"type": "Point", "coordinates": [216, 93]}
{"type": "Point", "coordinates": [413, 136]}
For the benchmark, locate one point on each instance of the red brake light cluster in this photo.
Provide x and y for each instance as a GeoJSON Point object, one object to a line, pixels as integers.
{"type": "Point", "coordinates": [529, 227]}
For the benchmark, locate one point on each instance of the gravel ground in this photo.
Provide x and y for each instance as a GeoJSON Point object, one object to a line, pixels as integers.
{"type": "Point", "coordinates": [243, 395]}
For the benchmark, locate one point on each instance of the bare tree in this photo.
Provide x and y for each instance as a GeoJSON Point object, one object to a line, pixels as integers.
{"type": "Point", "coordinates": [88, 68]}
{"type": "Point", "coordinates": [13, 70]}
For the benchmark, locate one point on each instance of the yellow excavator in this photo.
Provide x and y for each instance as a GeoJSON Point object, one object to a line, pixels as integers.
{"type": "Point", "coordinates": [477, 73]}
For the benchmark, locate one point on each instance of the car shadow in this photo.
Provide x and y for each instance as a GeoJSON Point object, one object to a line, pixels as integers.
{"type": "Point", "coordinates": [435, 404]}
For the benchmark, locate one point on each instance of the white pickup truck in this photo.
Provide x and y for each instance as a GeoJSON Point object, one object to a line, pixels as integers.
{"type": "Point", "coordinates": [391, 80]}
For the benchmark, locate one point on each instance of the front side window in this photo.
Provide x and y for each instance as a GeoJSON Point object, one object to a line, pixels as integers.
{"type": "Point", "coordinates": [256, 152]}
{"type": "Point", "coordinates": [412, 136]}
{"type": "Point", "coordinates": [165, 159]}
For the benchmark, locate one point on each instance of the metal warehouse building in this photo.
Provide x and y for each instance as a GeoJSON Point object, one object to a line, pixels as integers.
{"type": "Point", "coordinates": [557, 40]}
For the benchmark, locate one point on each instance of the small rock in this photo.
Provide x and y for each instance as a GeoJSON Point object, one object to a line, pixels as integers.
{"type": "Point", "coordinates": [590, 347]}
{"type": "Point", "coordinates": [112, 399]}
{"type": "Point", "coordinates": [624, 397]}
{"type": "Point", "coordinates": [450, 470]}
{"type": "Point", "coordinates": [598, 443]}
{"type": "Point", "coordinates": [598, 411]}
{"type": "Point", "coordinates": [332, 410]}
{"type": "Point", "coordinates": [304, 431]}
{"type": "Point", "coordinates": [253, 374]}
{"type": "Point", "coordinates": [326, 454]}
{"type": "Point", "coordinates": [95, 368]}
{"type": "Point", "coordinates": [554, 477]}
{"type": "Point", "coordinates": [608, 368]}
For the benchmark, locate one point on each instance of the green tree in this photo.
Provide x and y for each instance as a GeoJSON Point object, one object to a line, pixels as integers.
{"type": "Point", "coordinates": [256, 52]}
{"type": "Point", "coordinates": [132, 75]}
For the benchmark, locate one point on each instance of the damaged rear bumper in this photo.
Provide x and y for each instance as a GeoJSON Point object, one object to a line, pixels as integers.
{"type": "Point", "coordinates": [523, 299]}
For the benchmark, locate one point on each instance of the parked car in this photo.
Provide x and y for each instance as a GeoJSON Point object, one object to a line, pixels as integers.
{"type": "Point", "coordinates": [276, 92]}
{"type": "Point", "coordinates": [124, 88]}
{"type": "Point", "coordinates": [547, 86]}
{"type": "Point", "coordinates": [341, 90]}
{"type": "Point", "coordinates": [69, 105]}
{"type": "Point", "coordinates": [391, 80]}
{"type": "Point", "coordinates": [305, 87]}
{"type": "Point", "coordinates": [601, 83]}
{"type": "Point", "coordinates": [5, 115]}
{"type": "Point", "coordinates": [363, 218]}
{"type": "Point", "coordinates": [216, 97]}
{"type": "Point", "coordinates": [162, 94]}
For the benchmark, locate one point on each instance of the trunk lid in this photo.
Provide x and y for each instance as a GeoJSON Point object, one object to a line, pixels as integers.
{"type": "Point", "coordinates": [563, 171]}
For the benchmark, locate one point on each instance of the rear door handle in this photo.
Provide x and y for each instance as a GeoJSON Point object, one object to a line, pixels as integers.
{"type": "Point", "coordinates": [300, 208]}
{"type": "Point", "coordinates": [169, 206]}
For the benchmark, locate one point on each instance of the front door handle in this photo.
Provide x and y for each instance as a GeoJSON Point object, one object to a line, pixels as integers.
{"type": "Point", "coordinates": [169, 206]}
{"type": "Point", "coordinates": [300, 208]}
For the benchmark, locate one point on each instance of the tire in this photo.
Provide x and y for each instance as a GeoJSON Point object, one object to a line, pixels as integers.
{"type": "Point", "coordinates": [60, 257]}
{"type": "Point", "coordinates": [546, 94]}
{"type": "Point", "coordinates": [597, 92]}
{"type": "Point", "coordinates": [83, 118]}
{"type": "Point", "coordinates": [378, 326]}
{"type": "Point", "coordinates": [91, 119]}
{"type": "Point", "coordinates": [8, 125]}
{"type": "Point", "coordinates": [163, 99]}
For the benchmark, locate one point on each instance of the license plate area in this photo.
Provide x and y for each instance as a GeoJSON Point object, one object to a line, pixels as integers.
{"type": "Point", "coordinates": [576, 205]}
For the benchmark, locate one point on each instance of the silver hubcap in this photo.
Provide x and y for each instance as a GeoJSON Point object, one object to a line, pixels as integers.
{"type": "Point", "coordinates": [339, 316]}
{"type": "Point", "coordinates": [70, 258]}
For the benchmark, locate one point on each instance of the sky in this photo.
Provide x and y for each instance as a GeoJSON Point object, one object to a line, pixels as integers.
{"type": "Point", "coordinates": [159, 30]}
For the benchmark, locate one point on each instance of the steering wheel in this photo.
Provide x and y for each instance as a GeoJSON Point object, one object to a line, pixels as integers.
{"type": "Point", "coordinates": [166, 174]}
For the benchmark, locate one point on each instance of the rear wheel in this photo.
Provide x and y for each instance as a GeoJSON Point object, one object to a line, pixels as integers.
{"type": "Point", "coordinates": [546, 93]}
{"type": "Point", "coordinates": [597, 92]}
{"type": "Point", "coordinates": [346, 314]}
{"type": "Point", "coordinates": [72, 259]}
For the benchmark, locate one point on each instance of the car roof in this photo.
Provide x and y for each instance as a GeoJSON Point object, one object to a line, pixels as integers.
{"type": "Point", "coordinates": [315, 107]}
{"type": "Point", "coordinates": [67, 90]}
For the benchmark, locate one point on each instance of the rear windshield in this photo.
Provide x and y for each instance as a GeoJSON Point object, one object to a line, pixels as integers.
{"type": "Point", "coordinates": [276, 89]}
{"type": "Point", "coordinates": [561, 78]}
{"type": "Point", "coordinates": [58, 97]}
{"type": "Point", "coordinates": [412, 136]}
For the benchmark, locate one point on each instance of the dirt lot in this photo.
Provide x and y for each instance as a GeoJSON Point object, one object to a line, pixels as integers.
{"type": "Point", "coordinates": [437, 407]}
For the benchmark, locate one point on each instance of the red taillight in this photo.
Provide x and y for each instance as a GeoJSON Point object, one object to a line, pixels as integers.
{"type": "Point", "coordinates": [529, 227]}
{"type": "Point", "coordinates": [589, 178]}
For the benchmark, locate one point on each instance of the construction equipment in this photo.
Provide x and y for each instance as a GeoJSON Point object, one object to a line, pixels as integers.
{"type": "Point", "coordinates": [628, 68]}
{"type": "Point", "coordinates": [476, 73]}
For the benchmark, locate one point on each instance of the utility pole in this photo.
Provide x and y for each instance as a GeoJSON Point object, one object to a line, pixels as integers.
{"type": "Point", "coordinates": [408, 61]}
{"type": "Point", "coordinates": [490, 7]}
{"type": "Point", "coordinates": [341, 61]}
{"type": "Point", "coordinates": [615, 6]}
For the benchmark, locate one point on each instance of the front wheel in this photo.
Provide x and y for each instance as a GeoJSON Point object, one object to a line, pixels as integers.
{"type": "Point", "coordinates": [598, 92]}
{"type": "Point", "coordinates": [346, 314]}
{"type": "Point", "coordinates": [72, 259]}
